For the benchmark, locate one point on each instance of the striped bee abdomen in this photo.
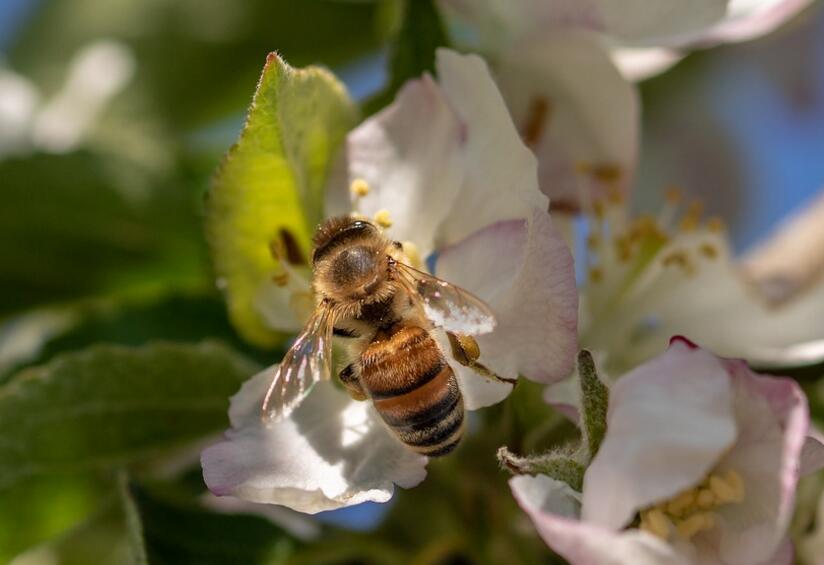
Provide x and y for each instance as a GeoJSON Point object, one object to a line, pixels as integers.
{"type": "Point", "coordinates": [414, 390]}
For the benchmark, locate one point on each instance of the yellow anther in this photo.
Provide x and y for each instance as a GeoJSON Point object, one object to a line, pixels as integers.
{"type": "Point", "coordinates": [359, 188]}
{"type": "Point", "coordinates": [610, 173]}
{"type": "Point", "coordinates": [413, 256]}
{"type": "Point", "coordinates": [673, 195]}
{"type": "Point", "coordinates": [715, 224]}
{"type": "Point", "coordinates": [583, 167]}
{"type": "Point", "coordinates": [593, 241]}
{"type": "Point", "coordinates": [675, 258]}
{"type": "Point", "coordinates": [655, 522]}
{"type": "Point", "coordinates": [598, 209]}
{"type": "Point", "coordinates": [383, 219]}
{"type": "Point", "coordinates": [596, 275]}
{"type": "Point", "coordinates": [705, 499]}
{"type": "Point", "coordinates": [690, 526]}
{"type": "Point", "coordinates": [736, 483]}
{"type": "Point", "coordinates": [681, 503]}
{"type": "Point", "coordinates": [726, 492]}
{"type": "Point", "coordinates": [708, 250]}
{"type": "Point", "coordinates": [281, 279]}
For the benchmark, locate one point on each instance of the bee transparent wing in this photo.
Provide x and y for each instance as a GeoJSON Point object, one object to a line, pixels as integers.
{"type": "Point", "coordinates": [447, 305]}
{"type": "Point", "coordinates": [307, 362]}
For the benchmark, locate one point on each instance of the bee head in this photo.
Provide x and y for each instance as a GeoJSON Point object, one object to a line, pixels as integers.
{"type": "Point", "coordinates": [349, 260]}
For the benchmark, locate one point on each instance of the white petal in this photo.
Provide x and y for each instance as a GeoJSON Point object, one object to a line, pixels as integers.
{"type": "Point", "coordinates": [591, 112]}
{"type": "Point", "coordinates": [641, 63]}
{"type": "Point", "coordinates": [657, 22]}
{"type": "Point", "coordinates": [500, 173]}
{"type": "Point", "coordinates": [409, 154]}
{"type": "Point", "coordinates": [748, 19]}
{"type": "Point", "coordinates": [332, 452]}
{"type": "Point", "coordinates": [669, 422]}
{"type": "Point", "coordinates": [523, 270]}
{"type": "Point", "coordinates": [771, 415]}
{"type": "Point", "coordinates": [553, 507]}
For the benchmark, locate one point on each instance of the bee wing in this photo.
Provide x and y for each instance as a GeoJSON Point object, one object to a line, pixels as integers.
{"type": "Point", "coordinates": [447, 305]}
{"type": "Point", "coordinates": [307, 362]}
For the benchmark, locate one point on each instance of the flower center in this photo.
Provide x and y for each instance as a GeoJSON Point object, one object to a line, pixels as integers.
{"type": "Point", "coordinates": [632, 261]}
{"type": "Point", "coordinates": [691, 511]}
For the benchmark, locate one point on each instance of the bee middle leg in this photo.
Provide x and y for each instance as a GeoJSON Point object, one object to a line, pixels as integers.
{"type": "Point", "coordinates": [465, 351]}
{"type": "Point", "coordinates": [348, 376]}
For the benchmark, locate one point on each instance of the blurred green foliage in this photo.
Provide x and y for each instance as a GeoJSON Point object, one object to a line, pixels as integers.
{"type": "Point", "coordinates": [108, 240]}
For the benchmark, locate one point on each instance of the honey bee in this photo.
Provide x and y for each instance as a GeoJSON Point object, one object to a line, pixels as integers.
{"type": "Point", "coordinates": [386, 310]}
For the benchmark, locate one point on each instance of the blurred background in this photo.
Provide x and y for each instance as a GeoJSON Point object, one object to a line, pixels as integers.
{"type": "Point", "coordinates": [113, 117]}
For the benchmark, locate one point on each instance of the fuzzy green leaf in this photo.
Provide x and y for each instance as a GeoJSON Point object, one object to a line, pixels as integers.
{"type": "Point", "coordinates": [111, 405]}
{"type": "Point", "coordinates": [271, 184]}
{"type": "Point", "coordinates": [594, 403]}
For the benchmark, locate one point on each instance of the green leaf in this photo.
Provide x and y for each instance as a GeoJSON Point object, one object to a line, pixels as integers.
{"type": "Point", "coordinates": [70, 228]}
{"type": "Point", "coordinates": [179, 317]}
{"type": "Point", "coordinates": [271, 184]}
{"type": "Point", "coordinates": [176, 531]}
{"type": "Point", "coordinates": [558, 465]}
{"type": "Point", "coordinates": [594, 403]}
{"type": "Point", "coordinates": [412, 52]}
{"type": "Point", "coordinates": [134, 526]}
{"type": "Point", "coordinates": [217, 42]}
{"type": "Point", "coordinates": [42, 508]}
{"type": "Point", "coordinates": [111, 405]}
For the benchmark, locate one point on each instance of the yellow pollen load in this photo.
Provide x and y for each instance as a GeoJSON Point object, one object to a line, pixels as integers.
{"type": "Point", "coordinates": [359, 188]}
{"type": "Point", "coordinates": [690, 512]}
{"type": "Point", "coordinates": [383, 219]}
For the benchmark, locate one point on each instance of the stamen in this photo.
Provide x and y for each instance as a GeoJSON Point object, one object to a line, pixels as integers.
{"type": "Point", "coordinates": [708, 250]}
{"type": "Point", "coordinates": [690, 512]}
{"type": "Point", "coordinates": [596, 275]}
{"type": "Point", "coordinates": [673, 195]}
{"type": "Point", "coordinates": [655, 522]}
{"type": "Point", "coordinates": [536, 121]}
{"type": "Point", "coordinates": [359, 188]}
{"type": "Point", "coordinates": [412, 254]}
{"type": "Point", "coordinates": [715, 224]}
{"type": "Point", "coordinates": [281, 279]}
{"type": "Point", "coordinates": [696, 523]}
{"type": "Point", "coordinates": [692, 217]}
{"type": "Point", "coordinates": [383, 219]}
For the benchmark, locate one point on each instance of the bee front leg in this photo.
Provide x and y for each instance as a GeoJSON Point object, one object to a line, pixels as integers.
{"type": "Point", "coordinates": [348, 376]}
{"type": "Point", "coordinates": [465, 351]}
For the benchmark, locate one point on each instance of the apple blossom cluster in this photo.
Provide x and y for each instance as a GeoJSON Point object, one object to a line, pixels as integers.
{"type": "Point", "coordinates": [687, 454]}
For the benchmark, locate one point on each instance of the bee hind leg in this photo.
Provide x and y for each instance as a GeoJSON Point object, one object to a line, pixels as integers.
{"type": "Point", "coordinates": [349, 378]}
{"type": "Point", "coordinates": [465, 351]}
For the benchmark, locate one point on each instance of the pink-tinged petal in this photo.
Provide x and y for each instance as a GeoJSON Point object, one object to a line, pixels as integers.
{"type": "Point", "coordinates": [812, 454]}
{"type": "Point", "coordinates": [523, 270]}
{"type": "Point", "coordinates": [655, 22]}
{"type": "Point", "coordinates": [575, 111]}
{"type": "Point", "coordinates": [771, 414]}
{"type": "Point", "coordinates": [748, 19]}
{"type": "Point", "coordinates": [641, 63]}
{"type": "Point", "coordinates": [410, 155]}
{"type": "Point", "coordinates": [331, 452]}
{"type": "Point", "coordinates": [565, 397]}
{"type": "Point", "coordinates": [500, 174]}
{"type": "Point", "coordinates": [552, 506]}
{"type": "Point", "coordinates": [670, 420]}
